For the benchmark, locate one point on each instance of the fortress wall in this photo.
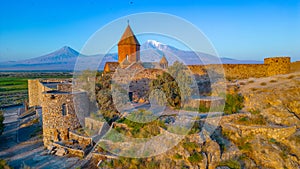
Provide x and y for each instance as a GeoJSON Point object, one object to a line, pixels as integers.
{"type": "Point", "coordinates": [278, 65]}
{"type": "Point", "coordinates": [56, 126]}
{"type": "Point", "coordinates": [243, 71]}
{"type": "Point", "coordinates": [33, 92]}
{"type": "Point", "coordinates": [271, 66]}
{"type": "Point", "coordinates": [238, 71]}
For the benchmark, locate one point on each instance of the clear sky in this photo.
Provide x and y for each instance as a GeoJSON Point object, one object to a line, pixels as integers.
{"type": "Point", "coordinates": [240, 29]}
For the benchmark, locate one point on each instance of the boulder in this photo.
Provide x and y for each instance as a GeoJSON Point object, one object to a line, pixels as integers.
{"type": "Point", "coordinates": [61, 152]}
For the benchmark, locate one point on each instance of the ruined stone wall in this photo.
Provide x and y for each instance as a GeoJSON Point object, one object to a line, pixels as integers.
{"type": "Point", "coordinates": [81, 139]}
{"type": "Point", "coordinates": [139, 84]}
{"type": "Point", "coordinates": [93, 124]}
{"type": "Point", "coordinates": [56, 125]}
{"type": "Point", "coordinates": [72, 151]}
{"type": "Point", "coordinates": [135, 81]}
{"type": "Point", "coordinates": [278, 65]}
{"type": "Point", "coordinates": [66, 87]}
{"type": "Point", "coordinates": [35, 90]}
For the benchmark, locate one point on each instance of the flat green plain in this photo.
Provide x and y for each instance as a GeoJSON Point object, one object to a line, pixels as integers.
{"type": "Point", "coordinates": [14, 85]}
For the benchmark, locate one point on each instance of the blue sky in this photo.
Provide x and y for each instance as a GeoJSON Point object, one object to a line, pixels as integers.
{"type": "Point", "coordinates": [240, 29]}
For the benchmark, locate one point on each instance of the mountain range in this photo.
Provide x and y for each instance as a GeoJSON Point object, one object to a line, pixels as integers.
{"type": "Point", "coordinates": [66, 58]}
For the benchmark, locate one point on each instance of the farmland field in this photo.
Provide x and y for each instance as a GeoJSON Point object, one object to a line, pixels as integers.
{"type": "Point", "coordinates": [14, 85]}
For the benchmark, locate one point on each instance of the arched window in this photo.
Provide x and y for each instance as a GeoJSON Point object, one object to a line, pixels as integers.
{"type": "Point", "coordinates": [64, 109]}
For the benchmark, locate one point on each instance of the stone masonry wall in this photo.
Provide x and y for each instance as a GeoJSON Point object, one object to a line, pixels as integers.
{"type": "Point", "coordinates": [271, 66]}
{"type": "Point", "coordinates": [56, 126]}
{"type": "Point", "coordinates": [239, 71]}
{"type": "Point", "coordinates": [278, 65]}
{"type": "Point", "coordinates": [35, 90]}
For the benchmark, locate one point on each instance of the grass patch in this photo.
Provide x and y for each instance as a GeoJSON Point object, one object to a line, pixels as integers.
{"type": "Point", "coordinates": [254, 111]}
{"type": "Point", "coordinates": [177, 156]}
{"type": "Point", "coordinates": [253, 120]}
{"type": "Point", "coordinates": [233, 103]}
{"type": "Point", "coordinates": [273, 81]}
{"type": "Point", "coordinates": [195, 158]}
{"type": "Point", "coordinates": [251, 81]}
{"type": "Point", "coordinates": [233, 164]}
{"type": "Point", "coordinates": [290, 77]}
{"type": "Point", "coordinates": [190, 146]}
{"type": "Point", "coordinates": [245, 147]}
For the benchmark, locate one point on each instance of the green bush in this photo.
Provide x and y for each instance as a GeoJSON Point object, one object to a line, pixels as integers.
{"type": "Point", "coordinates": [233, 103]}
{"type": "Point", "coordinates": [195, 158]}
{"type": "Point", "coordinates": [172, 84]}
{"type": "Point", "coordinates": [246, 147]}
{"type": "Point", "coordinates": [254, 111]}
{"type": "Point", "coordinates": [177, 156]}
{"type": "Point", "coordinates": [4, 165]}
{"type": "Point", "coordinates": [233, 164]}
{"type": "Point", "coordinates": [190, 146]}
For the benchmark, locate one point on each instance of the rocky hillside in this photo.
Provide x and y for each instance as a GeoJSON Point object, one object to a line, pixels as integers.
{"type": "Point", "coordinates": [265, 134]}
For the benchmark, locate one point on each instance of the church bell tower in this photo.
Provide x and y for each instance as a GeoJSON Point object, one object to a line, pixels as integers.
{"type": "Point", "coordinates": [128, 47]}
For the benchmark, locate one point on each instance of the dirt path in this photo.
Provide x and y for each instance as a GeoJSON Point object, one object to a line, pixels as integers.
{"type": "Point", "coordinates": [19, 149]}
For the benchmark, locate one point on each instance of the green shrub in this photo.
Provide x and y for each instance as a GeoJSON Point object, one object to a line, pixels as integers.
{"type": "Point", "coordinates": [190, 146]}
{"type": "Point", "coordinates": [177, 156]}
{"type": "Point", "coordinates": [233, 103]}
{"type": "Point", "coordinates": [273, 81]}
{"type": "Point", "coordinates": [233, 164]}
{"type": "Point", "coordinates": [253, 120]}
{"type": "Point", "coordinates": [254, 111]}
{"type": "Point", "coordinates": [246, 147]}
{"type": "Point", "coordinates": [4, 165]}
{"type": "Point", "coordinates": [195, 158]}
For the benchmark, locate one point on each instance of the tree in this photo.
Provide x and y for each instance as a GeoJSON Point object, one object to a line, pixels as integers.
{"type": "Point", "coordinates": [176, 85]}
{"type": "Point", "coordinates": [104, 98]}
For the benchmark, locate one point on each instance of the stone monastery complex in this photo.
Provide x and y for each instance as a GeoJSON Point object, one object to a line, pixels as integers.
{"type": "Point", "coordinates": [62, 114]}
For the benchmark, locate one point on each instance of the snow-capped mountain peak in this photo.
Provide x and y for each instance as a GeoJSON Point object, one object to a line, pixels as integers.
{"type": "Point", "coordinates": [155, 43]}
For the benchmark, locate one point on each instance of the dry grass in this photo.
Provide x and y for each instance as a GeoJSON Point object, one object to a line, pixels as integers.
{"type": "Point", "coordinates": [251, 81]}
{"type": "Point", "coordinates": [263, 83]}
{"type": "Point", "coordinates": [290, 77]}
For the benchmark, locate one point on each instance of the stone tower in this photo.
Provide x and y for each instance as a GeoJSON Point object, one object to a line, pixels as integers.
{"type": "Point", "coordinates": [59, 116]}
{"type": "Point", "coordinates": [277, 65]}
{"type": "Point", "coordinates": [163, 62]}
{"type": "Point", "coordinates": [128, 47]}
